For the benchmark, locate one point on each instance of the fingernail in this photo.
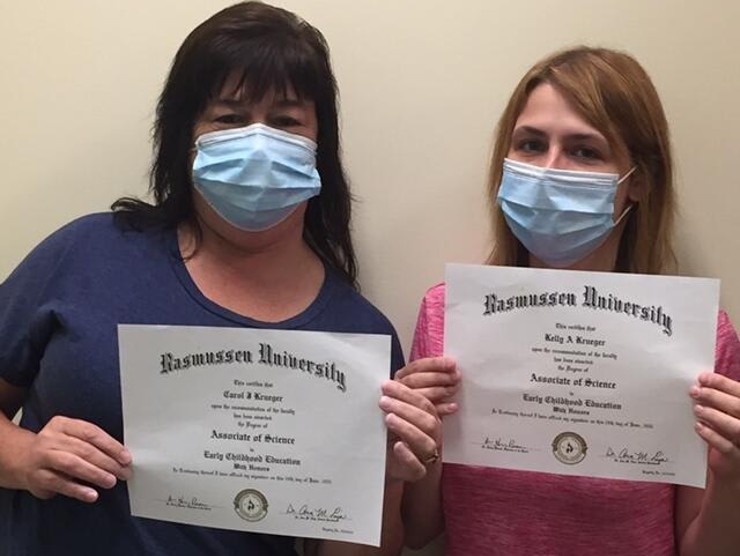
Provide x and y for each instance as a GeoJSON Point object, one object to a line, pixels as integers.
{"type": "Point", "coordinates": [124, 457]}
{"type": "Point", "coordinates": [109, 481]}
{"type": "Point", "coordinates": [90, 495]}
{"type": "Point", "coordinates": [385, 402]}
{"type": "Point", "coordinates": [446, 408]}
{"type": "Point", "coordinates": [698, 409]}
{"type": "Point", "coordinates": [695, 391]}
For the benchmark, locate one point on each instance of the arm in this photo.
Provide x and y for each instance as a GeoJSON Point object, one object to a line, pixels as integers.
{"type": "Point", "coordinates": [437, 379]}
{"type": "Point", "coordinates": [707, 520]}
{"type": "Point", "coordinates": [61, 458]}
{"type": "Point", "coordinates": [67, 456]}
{"type": "Point", "coordinates": [11, 399]}
{"type": "Point", "coordinates": [14, 439]}
{"type": "Point", "coordinates": [422, 511]}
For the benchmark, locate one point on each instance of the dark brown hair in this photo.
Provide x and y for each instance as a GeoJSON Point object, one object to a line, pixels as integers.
{"type": "Point", "coordinates": [268, 49]}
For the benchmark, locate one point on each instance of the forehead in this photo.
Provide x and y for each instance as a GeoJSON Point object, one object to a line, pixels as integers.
{"type": "Point", "coordinates": [548, 110]}
{"type": "Point", "coordinates": [238, 88]}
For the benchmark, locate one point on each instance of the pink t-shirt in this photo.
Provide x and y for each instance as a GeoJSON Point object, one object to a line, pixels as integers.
{"type": "Point", "coordinates": [491, 511]}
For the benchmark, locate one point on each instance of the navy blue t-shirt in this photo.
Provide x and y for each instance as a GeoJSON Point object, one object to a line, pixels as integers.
{"type": "Point", "coordinates": [59, 312]}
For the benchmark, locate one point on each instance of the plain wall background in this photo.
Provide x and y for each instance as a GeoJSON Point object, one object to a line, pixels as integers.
{"type": "Point", "coordinates": [422, 83]}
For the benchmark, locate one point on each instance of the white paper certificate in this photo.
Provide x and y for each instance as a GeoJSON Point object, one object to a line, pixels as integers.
{"type": "Point", "coordinates": [269, 431]}
{"type": "Point", "coordinates": [579, 373]}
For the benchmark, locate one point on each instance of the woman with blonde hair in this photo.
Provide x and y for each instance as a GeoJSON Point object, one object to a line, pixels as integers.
{"type": "Point", "coordinates": [584, 116]}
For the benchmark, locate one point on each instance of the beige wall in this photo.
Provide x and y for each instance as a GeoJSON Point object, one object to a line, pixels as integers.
{"type": "Point", "coordinates": [422, 83]}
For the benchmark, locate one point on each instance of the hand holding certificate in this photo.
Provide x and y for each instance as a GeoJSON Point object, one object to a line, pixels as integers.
{"type": "Point", "coordinates": [579, 373]}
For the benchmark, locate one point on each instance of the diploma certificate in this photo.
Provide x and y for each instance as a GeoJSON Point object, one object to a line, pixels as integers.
{"type": "Point", "coordinates": [579, 373]}
{"type": "Point", "coordinates": [270, 431]}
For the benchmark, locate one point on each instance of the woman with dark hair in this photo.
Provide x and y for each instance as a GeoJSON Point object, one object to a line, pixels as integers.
{"type": "Point", "coordinates": [249, 228]}
{"type": "Point", "coordinates": [242, 55]}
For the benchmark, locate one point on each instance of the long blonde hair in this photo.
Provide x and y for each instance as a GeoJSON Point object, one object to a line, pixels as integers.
{"type": "Point", "coordinates": [614, 94]}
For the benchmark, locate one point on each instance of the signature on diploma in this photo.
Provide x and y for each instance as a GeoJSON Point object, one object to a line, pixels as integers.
{"type": "Point", "coordinates": [625, 455]}
{"type": "Point", "coordinates": [305, 512]}
{"type": "Point", "coordinates": [504, 445]}
{"type": "Point", "coordinates": [191, 503]}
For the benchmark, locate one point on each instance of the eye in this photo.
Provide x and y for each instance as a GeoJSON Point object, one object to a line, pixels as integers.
{"type": "Point", "coordinates": [231, 118]}
{"type": "Point", "coordinates": [586, 153]}
{"type": "Point", "coordinates": [284, 122]}
{"type": "Point", "coordinates": [531, 146]}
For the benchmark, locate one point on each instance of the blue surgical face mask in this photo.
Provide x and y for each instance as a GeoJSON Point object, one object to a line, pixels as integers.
{"type": "Point", "coordinates": [255, 177]}
{"type": "Point", "coordinates": [560, 216]}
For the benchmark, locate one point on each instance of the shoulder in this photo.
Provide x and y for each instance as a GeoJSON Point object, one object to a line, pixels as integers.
{"type": "Point", "coordinates": [725, 330]}
{"type": "Point", "coordinates": [357, 312]}
{"type": "Point", "coordinates": [435, 296]}
{"type": "Point", "coordinates": [61, 247]}
{"type": "Point", "coordinates": [105, 237]}
{"type": "Point", "coordinates": [81, 228]}
{"type": "Point", "coordinates": [727, 350]}
{"type": "Point", "coordinates": [346, 310]}
{"type": "Point", "coordinates": [433, 304]}
{"type": "Point", "coordinates": [429, 333]}
{"type": "Point", "coordinates": [87, 230]}
{"type": "Point", "coordinates": [88, 225]}
{"type": "Point", "coordinates": [90, 242]}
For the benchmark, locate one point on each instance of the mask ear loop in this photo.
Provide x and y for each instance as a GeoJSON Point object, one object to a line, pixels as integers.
{"type": "Point", "coordinates": [629, 207]}
{"type": "Point", "coordinates": [624, 213]}
{"type": "Point", "coordinates": [628, 174]}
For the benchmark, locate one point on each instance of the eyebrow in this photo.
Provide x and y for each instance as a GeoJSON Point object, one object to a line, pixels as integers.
{"type": "Point", "coordinates": [291, 102]}
{"type": "Point", "coordinates": [571, 136]}
{"type": "Point", "coordinates": [283, 103]}
{"type": "Point", "coordinates": [528, 130]}
{"type": "Point", "coordinates": [229, 102]}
